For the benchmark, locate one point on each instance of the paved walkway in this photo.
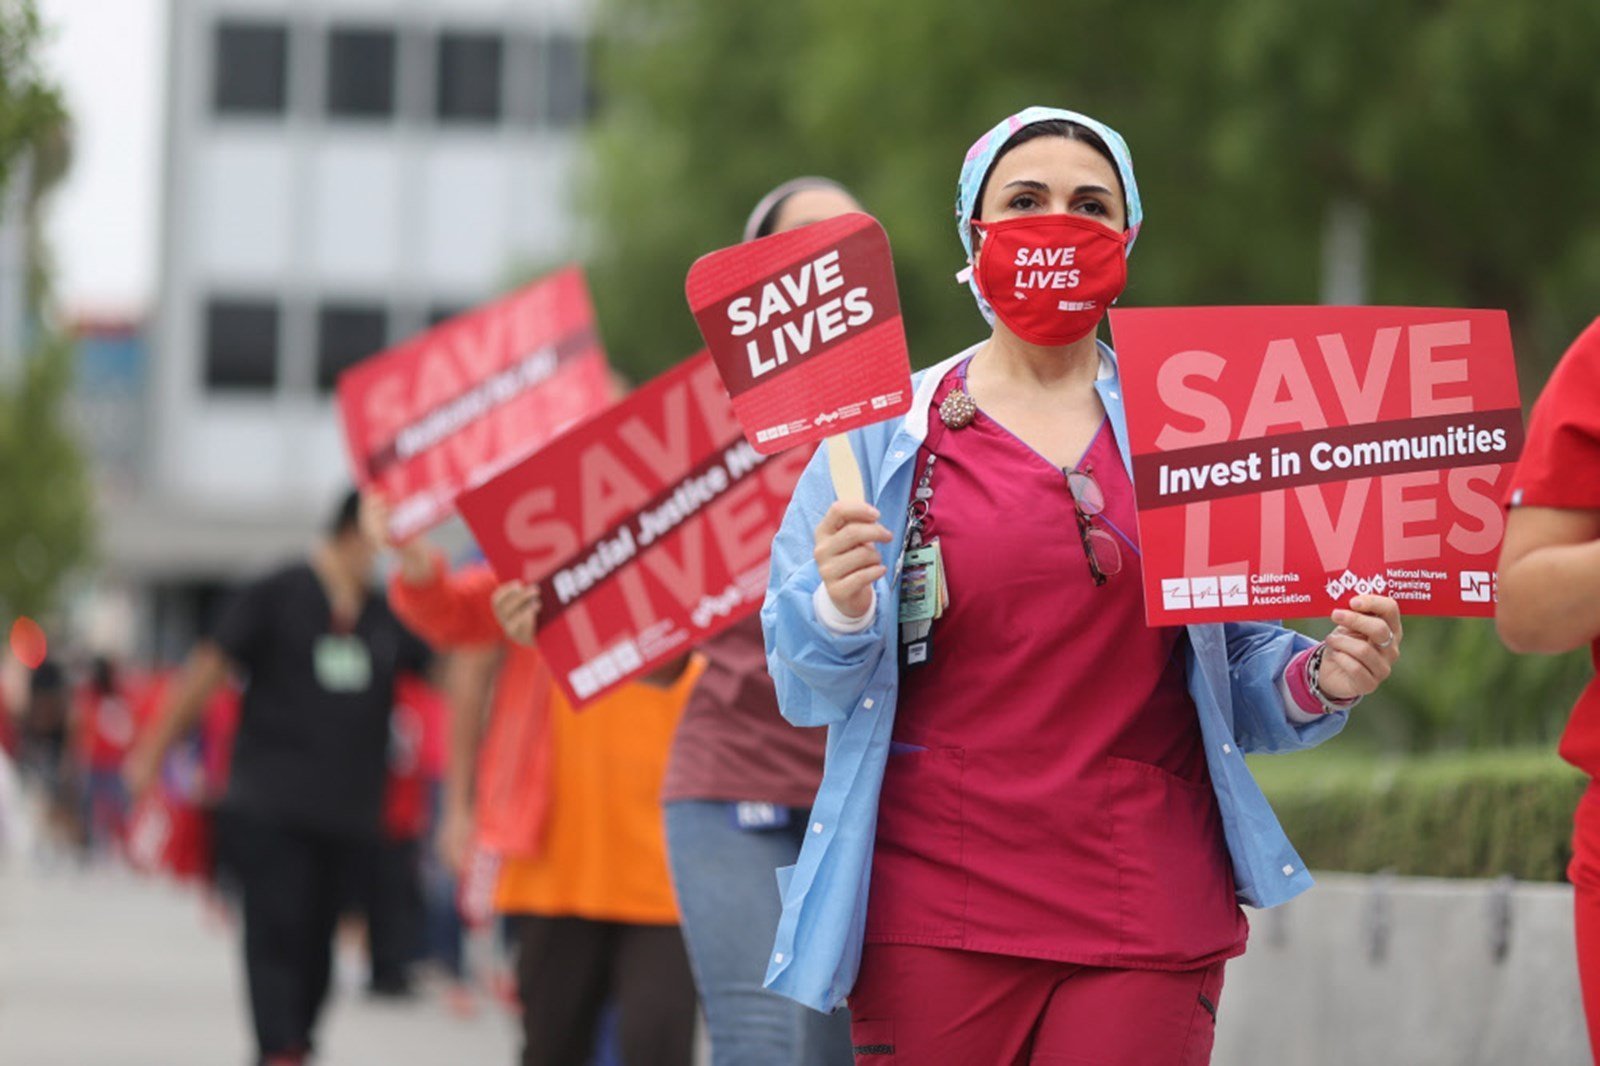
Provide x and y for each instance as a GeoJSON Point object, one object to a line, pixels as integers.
{"type": "Point", "coordinates": [103, 968]}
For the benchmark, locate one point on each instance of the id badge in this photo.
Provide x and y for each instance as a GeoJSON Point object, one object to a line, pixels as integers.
{"type": "Point", "coordinates": [917, 650]}
{"type": "Point", "coordinates": [759, 816]}
{"type": "Point", "coordinates": [921, 575]}
{"type": "Point", "coordinates": [342, 663]}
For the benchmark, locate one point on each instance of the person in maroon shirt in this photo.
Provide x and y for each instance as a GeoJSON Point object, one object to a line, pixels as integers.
{"type": "Point", "coordinates": [1549, 599]}
{"type": "Point", "coordinates": [1050, 878]}
{"type": "Point", "coordinates": [739, 783]}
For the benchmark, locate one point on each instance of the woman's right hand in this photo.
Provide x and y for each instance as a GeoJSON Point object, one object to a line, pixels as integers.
{"type": "Point", "coordinates": [847, 556]}
{"type": "Point", "coordinates": [516, 608]}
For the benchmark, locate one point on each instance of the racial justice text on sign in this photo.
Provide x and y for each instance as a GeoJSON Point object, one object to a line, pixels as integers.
{"type": "Point", "coordinates": [805, 329]}
{"type": "Point", "coordinates": [459, 402]}
{"type": "Point", "coordinates": [646, 529]}
{"type": "Point", "coordinates": [1287, 459]}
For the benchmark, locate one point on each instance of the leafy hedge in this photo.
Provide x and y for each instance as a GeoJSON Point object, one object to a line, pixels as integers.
{"type": "Point", "coordinates": [1470, 814]}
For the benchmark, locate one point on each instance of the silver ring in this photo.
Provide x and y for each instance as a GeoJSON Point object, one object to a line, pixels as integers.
{"type": "Point", "coordinates": [1386, 643]}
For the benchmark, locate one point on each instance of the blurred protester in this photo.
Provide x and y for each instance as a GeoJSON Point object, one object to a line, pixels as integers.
{"type": "Point", "coordinates": [739, 786]}
{"type": "Point", "coordinates": [467, 679]}
{"type": "Point", "coordinates": [1036, 823]}
{"type": "Point", "coordinates": [44, 723]}
{"type": "Point", "coordinates": [394, 906]}
{"type": "Point", "coordinates": [103, 729]}
{"type": "Point", "coordinates": [321, 654]}
{"type": "Point", "coordinates": [12, 828]}
{"type": "Point", "coordinates": [583, 866]}
{"type": "Point", "coordinates": [47, 761]}
{"type": "Point", "coordinates": [10, 744]}
{"type": "Point", "coordinates": [1549, 598]}
{"type": "Point", "coordinates": [171, 826]}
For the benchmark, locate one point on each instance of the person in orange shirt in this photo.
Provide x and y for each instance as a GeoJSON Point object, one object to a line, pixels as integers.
{"type": "Point", "coordinates": [569, 803]}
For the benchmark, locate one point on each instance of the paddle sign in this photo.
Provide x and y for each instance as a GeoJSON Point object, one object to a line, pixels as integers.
{"type": "Point", "coordinates": [648, 529]}
{"type": "Point", "coordinates": [454, 405]}
{"type": "Point", "coordinates": [805, 330]}
{"type": "Point", "coordinates": [1288, 459]}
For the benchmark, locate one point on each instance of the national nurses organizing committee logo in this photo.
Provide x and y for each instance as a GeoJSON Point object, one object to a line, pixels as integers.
{"type": "Point", "coordinates": [1361, 586]}
{"type": "Point", "coordinates": [1479, 586]}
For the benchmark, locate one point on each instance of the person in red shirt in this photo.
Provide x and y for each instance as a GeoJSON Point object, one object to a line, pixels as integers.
{"type": "Point", "coordinates": [1549, 598]}
{"type": "Point", "coordinates": [103, 732]}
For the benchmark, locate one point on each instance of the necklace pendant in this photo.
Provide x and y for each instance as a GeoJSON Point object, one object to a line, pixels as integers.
{"type": "Point", "coordinates": [958, 409]}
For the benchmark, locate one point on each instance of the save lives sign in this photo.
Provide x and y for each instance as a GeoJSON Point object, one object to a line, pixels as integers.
{"type": "Point", "coordinates": [647, 529]}
{"type": "Point", "coordinates": [1287, 459]}
{"type": "Point", "coordinates": [805, 329]}
{"type": "Point", "coordinates": [459, 402]}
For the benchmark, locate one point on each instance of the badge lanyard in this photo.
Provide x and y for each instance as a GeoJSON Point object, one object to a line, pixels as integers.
{"type": "Point", "coordinates": [924, 583]}
{"type": "Point", "coordinates": [341, 659]}
{"type": "Point", "coordinates": [924, 591]}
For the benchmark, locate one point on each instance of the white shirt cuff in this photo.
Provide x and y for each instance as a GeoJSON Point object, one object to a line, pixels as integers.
{"type": "Point", "coordinates": [835, 620]}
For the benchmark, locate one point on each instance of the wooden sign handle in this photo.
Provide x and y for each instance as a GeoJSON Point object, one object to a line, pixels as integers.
{"type": "Point", "coordinates": [847, 483]}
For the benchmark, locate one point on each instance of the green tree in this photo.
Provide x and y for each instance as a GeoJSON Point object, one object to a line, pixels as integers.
{"type": "Point", "coordinates": [44, 490]}
{"type": "Point", "coordinates": [1461, 128]}
{"type": "Point", "coordinates": [45, 528]}
{"type": "Point", "coordinates": [31, 112]}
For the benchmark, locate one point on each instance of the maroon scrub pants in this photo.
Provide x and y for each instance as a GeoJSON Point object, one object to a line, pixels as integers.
{"type": "Point", "coordinates": [937, 1006]}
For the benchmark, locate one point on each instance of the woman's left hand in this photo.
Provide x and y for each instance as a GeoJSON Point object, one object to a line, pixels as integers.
{"type": "Point", "coordinates": [1362, 649]}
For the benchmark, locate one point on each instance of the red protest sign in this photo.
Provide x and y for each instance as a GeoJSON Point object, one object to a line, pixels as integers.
{"type": "Point", "coordinates": [1287, 459]}
{"type": "Point", "coordinates": [805, 329]}
{"type": "Point", "coordinates": [647, 529]}
{"type": "Point", "coordinates": [451, 406]}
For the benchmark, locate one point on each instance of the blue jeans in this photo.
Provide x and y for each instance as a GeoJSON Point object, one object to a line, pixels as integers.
{"type": "Point", "coordinates": [443, 930]}
{"type": "Point", "coordinates": [729, 906]}
{"type": "Point", "coordinates": [105, 809]}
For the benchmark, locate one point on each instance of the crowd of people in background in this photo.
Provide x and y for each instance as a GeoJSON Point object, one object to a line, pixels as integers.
{"type": "Point", "coordinates": [333, 754]}
{"type": "Point", "coordinates": [166, 772]}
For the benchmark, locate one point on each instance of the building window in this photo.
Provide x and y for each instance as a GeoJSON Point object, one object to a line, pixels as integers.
{"type": "Point", "coordinates": [241, 345]}
{"type": "Point", "coordinates": [252, 71]}
{"type": "Point", "coordinates": [469, 77]}
{"type": "Point", "coordinates": [569, 100]}
{"type": "Point", "coordinates": [346, 334]}
{"type": "Point", "coordinates": [361, 68]}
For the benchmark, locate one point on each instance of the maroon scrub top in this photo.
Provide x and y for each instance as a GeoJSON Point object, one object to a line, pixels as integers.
{"type": "Point", "coordinates": [1046, 794]}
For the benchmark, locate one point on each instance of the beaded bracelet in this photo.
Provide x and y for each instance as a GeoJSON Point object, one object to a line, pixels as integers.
{"type": "Point", "coordinates": [1314, 682]}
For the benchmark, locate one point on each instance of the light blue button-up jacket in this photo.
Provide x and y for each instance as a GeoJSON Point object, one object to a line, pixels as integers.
{"type": "Point", "coordinates": [850, 683]}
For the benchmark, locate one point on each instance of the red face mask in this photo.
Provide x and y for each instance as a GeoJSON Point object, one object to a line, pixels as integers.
{"type": "Point", "coordinates": [1050, 278]}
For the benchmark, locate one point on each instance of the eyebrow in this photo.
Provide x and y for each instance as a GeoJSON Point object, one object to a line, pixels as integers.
{"type": "Point", "coordinates": [1039, 186]}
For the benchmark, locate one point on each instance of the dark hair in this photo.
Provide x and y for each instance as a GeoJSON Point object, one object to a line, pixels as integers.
{"type": "Point", "coordinates": [347, 517]}
{"type": "Point", "coordinates": [769, 221]}
{"type": "Point", "coordinates": [103, 674]}
{"type": "Point", "coordinates": [48, 677]}
{"type": "Point", "coordinates": [1055, 127]}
